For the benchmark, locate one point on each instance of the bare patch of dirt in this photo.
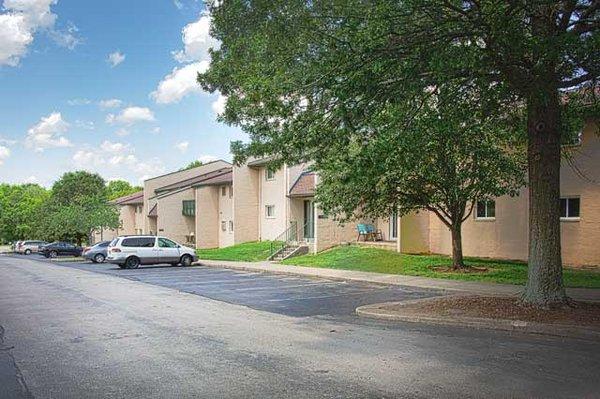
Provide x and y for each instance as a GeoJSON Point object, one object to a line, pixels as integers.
{"type": "Point", "coordinates": [466, 270]}
{"type": "Point", "coordinates": [579, 313]}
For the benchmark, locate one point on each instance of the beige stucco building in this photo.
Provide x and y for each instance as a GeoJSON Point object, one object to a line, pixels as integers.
{"type": "Point", "coordinates": [268, 203]}
{"type": "Point", "coordinates": [131, 218]}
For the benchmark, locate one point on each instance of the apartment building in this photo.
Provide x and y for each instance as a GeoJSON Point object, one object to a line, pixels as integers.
{"type": "Point", "coordinates": [131, 218]}
{"type": "Point", "coordinates": [267, 203]}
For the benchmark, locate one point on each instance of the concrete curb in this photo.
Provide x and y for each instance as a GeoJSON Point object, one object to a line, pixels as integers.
{"type": "Point", "coordinates": [379, 311]}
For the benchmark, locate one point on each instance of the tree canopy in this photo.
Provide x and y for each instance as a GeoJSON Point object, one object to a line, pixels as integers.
{"type": "Point", "coordinates": [120, 188]}
{"type": "Point", "coordinates": [303, 78]}
{"type": "Point", "coordinates": [191, 165]}
{"type": "Point", "coordinates": [78, 203]}
{"type": "Point", "coordinates": [21, 207]}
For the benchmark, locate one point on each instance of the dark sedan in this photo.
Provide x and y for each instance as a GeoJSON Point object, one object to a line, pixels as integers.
{"type": "Point", "coordinates": [60, 248]}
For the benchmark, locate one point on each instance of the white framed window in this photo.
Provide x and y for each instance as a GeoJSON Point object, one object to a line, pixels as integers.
{"type": "Point", "coordinates": [223, 225]}
{"type": "Point", "coordinates": [269, 174]}
{"type": "Point", "coordinates": [231, 225]}
{"type": "Point", "coordinates": [270, 211]}
{"type": "Point", "coordinates": [223, 191]}
{"type": "Point", "coordinates": [569, 208]}
{"type": "Point", "coordinates": [485, 210]}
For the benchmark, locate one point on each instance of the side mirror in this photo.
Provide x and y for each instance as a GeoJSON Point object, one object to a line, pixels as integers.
{"type": "Point", "coordinates": [178, 246]}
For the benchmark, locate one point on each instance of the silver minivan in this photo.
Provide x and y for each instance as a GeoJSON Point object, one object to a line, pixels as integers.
{"type": "Point", "coordinates": [129, 252]}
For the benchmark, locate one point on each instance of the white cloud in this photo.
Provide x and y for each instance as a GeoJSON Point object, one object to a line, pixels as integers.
{"type": "Point", "coordinates": [196, 41]}
{"type": "Point", "coordinates": [155, 130]}
{"type": "Point", "coordinates": [122, 132]}
{"type": "Point", "coordinates": [218, 106]}
{"type": "Point", "coordinates": [178, 4]}
{"type": "Point", "coordinates": [48, 133]}
{"type": "Point", "coordinates": [110, 103]}
{"type": "Point", "coordinates": [21, 20]}
{"type": "Point", "coordinates": [7, 142]}
{"type": "Point", "coordinates": [117, 158]}
{"type": "Point", "coordinates": [207, 158]}
{"type": "Point", "coordinates": [115, 58]}
{"type": "Point", "coordinates": [131, 115]}
{"type": "Point", "coordinates": [31, 179]}
{"type": "Point", "coordinates": [182, 146]}
{"type": "Point", "coordinates": [179, 83]}
{"type": "Point", "coordinates": [67, 38]}
{"type": "Point", "coordinates": [114, 148]}
{"type": "Point", "coordinates": [4, 153]}
{"type": "Point", "coordinates": [79, 101]}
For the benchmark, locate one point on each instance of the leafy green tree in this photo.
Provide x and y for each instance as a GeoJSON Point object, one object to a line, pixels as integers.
{"type": "Point", "coordinates": [78, 204]}
{"type": "Point", "coordinates": [20, 208]}
{"type": "Point", "coordinates": [300, 76]}
{"type": "Point", "coordinates": [444, 161]}
{"type": "Point", "coordinates": [191, 165]}
{"type": "Point", "coordinates": [120, 188]}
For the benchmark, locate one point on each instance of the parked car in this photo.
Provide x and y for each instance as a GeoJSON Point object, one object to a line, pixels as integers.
{"type": "Point", "coordinates": [129, 252]}
{"type": "Point", "coordinates": [97, 253]}
{"type": "Point", "coordinates": [28, 247]}
{"type": "Point", "coordinates": [15, 246]}
{"type": "Point", "coordinates": [61, 248]}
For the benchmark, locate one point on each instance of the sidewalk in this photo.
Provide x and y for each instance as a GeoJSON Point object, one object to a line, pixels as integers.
{"type": "Point", "coordinates": [472, 287]}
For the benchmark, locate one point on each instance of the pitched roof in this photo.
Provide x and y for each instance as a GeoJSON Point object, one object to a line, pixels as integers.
{"type": "Point", "coordinates": [304, 186]}
{"type": "Point", "coordinates": [179, 171]}
{"type": "Point", "coordinates": [131, 199]}
{"type": "Point", "coordinates": [154, 211]}
{"type": "Point", "coordinates": [224, 178]}
{"type": "Point", "coordinates": [193, 180]}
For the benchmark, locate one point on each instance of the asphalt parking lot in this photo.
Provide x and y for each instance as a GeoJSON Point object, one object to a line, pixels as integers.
{"type": "Point", "coordinates": [276, 293]}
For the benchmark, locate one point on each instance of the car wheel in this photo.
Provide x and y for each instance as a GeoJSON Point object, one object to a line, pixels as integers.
{"type": "Point", "coordinates": [53, 254]}
{"type": "Point", "coordinates": [99, 258]}
{"type": "Point", "coordinates": [186, 260]}
{"type": "Point", "coordinates": [28, 252]}
{"type": "Point", "coordinates": [132, 263]}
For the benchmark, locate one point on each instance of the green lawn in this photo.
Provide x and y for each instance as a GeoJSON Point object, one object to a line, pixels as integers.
{"type": "Point", "coordinates": [383, 261]}
{"type": "Point", "coordinates": [246, 252]}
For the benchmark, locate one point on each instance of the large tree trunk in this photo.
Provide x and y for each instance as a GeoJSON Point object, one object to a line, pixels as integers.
{"type": "Point", "coordinates": [545, 281]}
{"type": "Point", "coordinates": [457, 254]}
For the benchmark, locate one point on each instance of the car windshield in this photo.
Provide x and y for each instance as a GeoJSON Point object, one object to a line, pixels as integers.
{"type": "Point", "coordinates": [114, 242]}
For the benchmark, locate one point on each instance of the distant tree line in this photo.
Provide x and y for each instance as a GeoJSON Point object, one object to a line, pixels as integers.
{"type": "Point", "coordinates": [76, 204]}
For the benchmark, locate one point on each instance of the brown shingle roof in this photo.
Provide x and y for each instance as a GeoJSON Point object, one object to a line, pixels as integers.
{"type": "Point", "coordinates": [193, 180]}
{"type": "Point", "coordinates": [304, 185]}
{"type": "Point", "coordinates": [131, 199]}
{"type": "Point", "coordinates": [225, 178]}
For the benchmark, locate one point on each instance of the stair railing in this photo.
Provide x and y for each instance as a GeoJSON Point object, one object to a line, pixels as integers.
{"type": "Point", "coordinates": [284, 239]}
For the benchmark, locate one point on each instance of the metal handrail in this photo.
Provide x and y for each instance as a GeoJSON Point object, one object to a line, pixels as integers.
{"type": "Point", "coordinates": [282, 240]}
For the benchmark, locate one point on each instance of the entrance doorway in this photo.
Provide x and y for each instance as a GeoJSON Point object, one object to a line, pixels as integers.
{"type": "Point", "coordinates": [309, 219]}
{"type": "Point", "coordinates": [393, 234]}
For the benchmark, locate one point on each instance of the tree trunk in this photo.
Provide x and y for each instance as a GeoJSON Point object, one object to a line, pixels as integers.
{"type": "Point", "coordinates": [457, 255]}
{"type": "Point", "coordinates": [545, 281]}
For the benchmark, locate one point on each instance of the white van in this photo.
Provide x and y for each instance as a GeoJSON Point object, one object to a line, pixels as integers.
{"type": "Point", "coordinates": [129, 252]}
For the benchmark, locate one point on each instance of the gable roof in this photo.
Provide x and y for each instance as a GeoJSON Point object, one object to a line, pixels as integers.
{"type": "Point", "coordinates": [154, 211]}
{"type": "Point", "coordinates": [131, 199]}
{"type": "Point", "coordinates": [304, 186]}
{"type": "Point", "coordinates": [179, 171]}
{"type": "Point", "coordinates": [193, 180]}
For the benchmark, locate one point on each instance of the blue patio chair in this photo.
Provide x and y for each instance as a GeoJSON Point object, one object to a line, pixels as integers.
{"type": "Point", "coordinates": [362, 231]}
{"type": "Point", "coordinates": [375, 234]}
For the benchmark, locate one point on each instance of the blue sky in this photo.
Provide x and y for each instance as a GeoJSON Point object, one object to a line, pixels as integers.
{"type": "Point", "coordinates": [106, 86]}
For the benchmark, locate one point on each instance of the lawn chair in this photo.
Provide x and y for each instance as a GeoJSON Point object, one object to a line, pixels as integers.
{"type": "Point", "coordinates": [375, 234]}
{"type": "Point", "coordinates": [362, 232]}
